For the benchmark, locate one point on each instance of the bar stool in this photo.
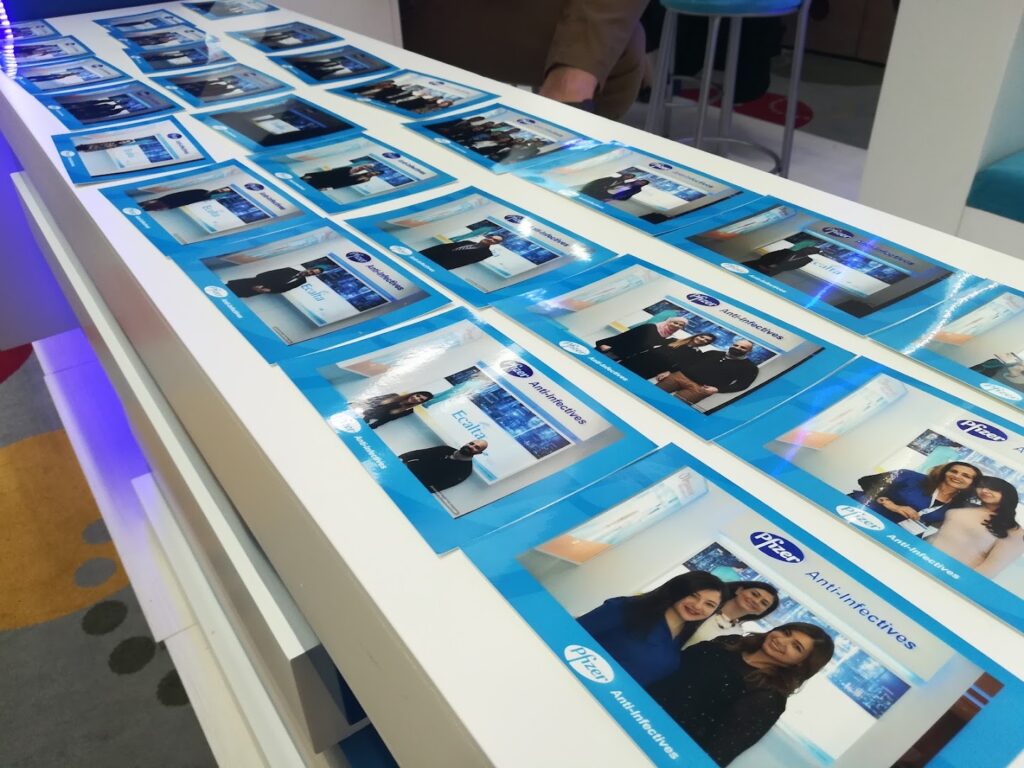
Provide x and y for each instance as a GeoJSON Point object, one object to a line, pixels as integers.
{"type": "Point", "coordinates": [735, 11]}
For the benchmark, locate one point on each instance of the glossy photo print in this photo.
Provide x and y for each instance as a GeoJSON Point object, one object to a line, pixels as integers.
{"type": "Point", "coordinates": [464, 430]}
{"type": "Point", "coordinates": [332, 64]}
{"type": "Point", "coordinates": [309, 288]}
{"type": "Point", "coordinates": [697, 355]}
{"type": "Point", "coordinates": [287, 121]}
{"type": "Point", "coordinates": [649, 192]}
{"type": "Point", "coordinates": [180, 57]}
{"type": "Point", "coordinates": [218, 84]}
{"type": "Point", "coordinates": [37, 29]}
{"type": "Point", "coordinates": [225, 9]}
{"type": "Point", "coordinates": [343, 174]}
{"type": "Point", "coordinates": [414, 94]}
{"type": "Point", "coordinates": [852, 277]}
{"type": "Point", "coordinates": [196, 212]}
{"type": "Point", "coordinates": [481, 247]}
{"type": "Point", "coordinates": [133, 150]}
{"type": "Point", "coordinates": [147, 21]}
{"type": "Point", "coordinates": [284, 37]}
{"type": "Point", "coordinates": [110, 104]}
{"type": "Point", "coordinates": [977, 338]}
{"type": "Point", "coordinates": [166, 37]}
{"type": "Point", "coordinates": [498, 137]}
{"type": "Point", "coordinates": [936, 480]}
{"type": "Point", "coordinates": [65, 75]}
{"type": "Point", "coordinates": [716, 633]}
{"type": "Point", "coordinates": [52, 49]}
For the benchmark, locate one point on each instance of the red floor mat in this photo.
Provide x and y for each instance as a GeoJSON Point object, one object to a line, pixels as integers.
{"type": "Point", "coordinates": [12, 359]}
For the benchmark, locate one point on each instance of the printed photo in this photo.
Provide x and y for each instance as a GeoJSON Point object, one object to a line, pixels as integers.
{"type": "Point", "coordinates": [140, 22]}
{"type": "Point", "coordinates": [499, 137]}
{"type": "Point", "coordinates": [414, 94]}
{"type": "Point", "coordinates": [182, 57]}
{"type": "Point", "coordinates": [76, 73]}
{"type": "Point", "coordinates": [223, 83]}
{"type": "Point", "coordinates": [824, 265]}
{"type": "Point", "coordinates": [187, 212]}
{"type": "Point", "coordinates": [223, 9]}
{"type": "Point", "coordinates": [136, 149]}
{"type": "Point", "coordinates": [165, 37]}
{"type": "Point", "coordinates": [643, 190]}
{"type": "Point", "coordinates": [309, 288]}
{"type": "Point", "coordinates": [457, 422]}
{"type": "Point", "coordinates": [109, 104]}
{"type": "Point", "coordinates": [333, 64]}
{"type": "Point", "coordinates": [53, 49]}
{"type": "Point", "coordinates": [480, 246]}
{"type": "Point", "coordinates": [715, 636]}
{"type": "Point", "coordinates": [934, 479]}
{"type": "Point", "coordinates": [283, 37]}
{"type": "Point", "coordinates": [697, 355]}
{"type": "Point", "coordinates": [36, 29]}
{"type": "Point", "coordinates": [284, 121]}
{"type": "Point", "coordinates": [350, 173]}
{"type": "Point", "coordinates": [977, 337]}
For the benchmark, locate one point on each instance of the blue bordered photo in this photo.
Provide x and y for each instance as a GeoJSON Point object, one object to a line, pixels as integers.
{"type": "Point", "coordinates": [652, 193]}
{"type": "Point", "coordinates": [934, 479]}
{"type": "Point", "coordinates": [52, 49]}
{"type": "Point", "coordinates": [285, 37]}
{"type": "Point", "coordinates": [216, 85]}
{"type": "Point", "coordinates": [499, 137]}
{"type": "Point", "coordinates": [180, 57]}
{"type": "Point", "coordinates": [164, 38]}
{"type": "Point", "coordinates": [139, 149]}
{"type": "Point", "coordinates": [309, 288]}
{"type": "Point", "coordinates": [108, 104]}
{"type": "Point", "coordinates": [480, 246]}
{"type": "Point", "coordinates": [976, 337]}
{"type": "Point", "coordinates": [716, 633]}
{"type": "Point", "coordinates": [332, 65]}
{"type": "Point", "coordinates": [352, 172]}
{"type": "Point", "coordinates": [203, 211]}
{"type": "Point", "coordinates": [463, 429]}
{"type": "Point", "coordinates": [414, 94]}
{"type": "Point", "coordinates": [141, 22]}
{"type": "Point", "coordinates": [225, 9]}
{"type": "Point", "coordinates": [855, 278]}
{"type": "Point", "coordinates": [700, 357]}
{"type": "Point", "coordinates": [68, 74]}
{"type": "Point", "coordinates": [285, 122]}
{"type": "Point", "coordinates": [34, 29]}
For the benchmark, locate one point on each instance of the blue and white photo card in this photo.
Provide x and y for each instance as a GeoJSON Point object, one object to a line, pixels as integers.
{"type": "Point", "coordinates": [463, 429]}
{"type": "Point", "coordinates": [67, 74]}
{"type": "Point", "coordinates": [52, 49]}
{"type": "Point", "coordinates": [697, 355]}
{"type": "Point", "coordinates": [854, 278]}
{"type": "Point", "coordinates": [716, 633]}
{"type": "Point", "coordinates": [147, 21]}
{"type": "Point", "coordinates": [414, 94]}
{"type": "Point", "coordinates": [225, 9]}
{"type": "Point", "coordinates": [204, 211]}
{"type": "Point", "coordinates": [287, 122]}
{"type": "Point", "coordinates": [128, 151]}
{"type": "Point", "coordinates": [180, 57]}
{"type": "Point", "coordinates": [651, 193]}
{"type": "Point", "coordinates": [109, 104]}
{"type": "Point", "coordinates": [976, 337]}
{"type": "Point", "coordinates": [309, 288]}
{"type": "Point", "coordinates": [285, 37]}
{"type": "Point", "coordinates": [36, 29]}
{"type": "Point", "coordinates": [343, 174]}
{"type": "Point", "coordinates": [163, 39]}
{"type": "Point", "coordinates": [215, 85]}
{"type": "Point", "coordinates": [332, 65]}
{"type": "Point", "coordinates": [934, 479]}
{"type": "Point", "coordinates": [498, 137]}
{"type": "Point", "coordinates": [481, 247]}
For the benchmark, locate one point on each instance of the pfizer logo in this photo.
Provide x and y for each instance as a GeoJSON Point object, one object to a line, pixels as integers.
{"type": "Point", "coordinates": [703, 299]}
{"type": "Point", "coordinates": [589, 664]}
{"type": "Point", "coordinates": [401, 250]}
{"type": "Point", "coordinates": [777, 547]}
{"type": "Point", "coordinates": [513, 218]}
{"type": "Point", "coordinates": [284, 175]}
{"type": "Point", "coordinates": [1000, 391]}
{"type": "Point", "coordinates": [661, 166]}
{"type": "Point", "coordinates": [253, 186]}
{"type": "Point", "coordinates": [216, 291]}
{"type": "Point", "coordinates": [68, 153]}
{"type": "Point", "coordinates": [839, 232]}
{"type": "Point", "coordinates": [859, 517]}
{"type": "Point", "coordinates": [131, 211]}
{"type": "Point", "coordinates": [344, 422]}
{"type": "Point", "coordinates": [392, 155]}
{"type": "Point", "coordinates": [574, 348]}
{"type": "Point", "coordinates": [173, 135]}
{"type": "Point", "coordinates": [358, 257]}
{"type": "Point", "coordinates": [981, 430]}
{"type": "Point", "coordinates": [517, 369]}
{"type": "Point", "coordinates": [736, 269]}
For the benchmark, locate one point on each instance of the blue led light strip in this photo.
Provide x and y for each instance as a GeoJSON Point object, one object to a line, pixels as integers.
{"type": "Point", "coordinates": [10, 65]}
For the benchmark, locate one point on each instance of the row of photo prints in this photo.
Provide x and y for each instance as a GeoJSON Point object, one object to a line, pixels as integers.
{"type": "Point", "coordinates": [709, 626]}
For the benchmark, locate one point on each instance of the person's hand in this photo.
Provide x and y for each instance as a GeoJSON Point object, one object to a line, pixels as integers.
{"type": "Point", "coordinates": [261, 289]}
{"type": "Point", "coordinates": [661, 376]}
{"type": "Point", "coordinates": [569, 84]}
{"type": "Point", "coordinates": [603, 348]}
{"type": "Point", "coordinates": [708, 390]}
{"type": "Point", "coordinates": [899, 509]}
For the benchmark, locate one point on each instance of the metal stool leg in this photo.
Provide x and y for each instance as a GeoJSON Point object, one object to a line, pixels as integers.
{"type": "Point", "coordinates": [732, 58]}
{"type": "Point", "coordinates": [656, 112]}
{"type": "Point", "coordinates": [792, 96]}
{"type": "Point", "coordinates": [714, 23]}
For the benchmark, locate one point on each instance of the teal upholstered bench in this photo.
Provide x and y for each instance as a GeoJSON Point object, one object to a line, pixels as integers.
{"type": "Point", "coordinates": [999, 189]}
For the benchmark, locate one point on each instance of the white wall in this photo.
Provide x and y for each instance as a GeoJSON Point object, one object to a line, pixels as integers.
{"type": "Point", "coordinates": [378, 19]}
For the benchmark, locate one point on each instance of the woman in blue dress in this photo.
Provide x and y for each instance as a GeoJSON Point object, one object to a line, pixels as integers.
{"type": "Point", "coordinates": [645, 633]}
{"type": "Point", "coordinates": [908, 495]}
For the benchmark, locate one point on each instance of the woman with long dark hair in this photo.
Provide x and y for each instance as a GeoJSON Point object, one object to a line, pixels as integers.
{"type": "Point", "coordinates": [908, 495]}
{"type": "Point", "coordinates": [379, 410]}
{"type": "Point", "coordinates": [984, 536]}
{"type": "Point", "coordinates": [728, 693]}
{"type": "Point", "coordinates": [644, 633]}
{"type": "Point", "coordinates": [742, 602]}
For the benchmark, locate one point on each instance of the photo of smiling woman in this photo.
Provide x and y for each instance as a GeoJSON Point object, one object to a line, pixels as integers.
{"type": "Point", "coordinates": [645, 633]}
{"type": "Point", "coordinates": [923, 498]}
{"type": "Point", "coordinates": [743, 602]}
{"type": "Point", "coordinates": [729, 692]}
{"type": "Point", "coordinates": [984, 536]}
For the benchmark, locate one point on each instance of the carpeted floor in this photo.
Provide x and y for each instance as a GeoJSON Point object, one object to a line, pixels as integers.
{"type": "Point", "coordinates": [83, 682]}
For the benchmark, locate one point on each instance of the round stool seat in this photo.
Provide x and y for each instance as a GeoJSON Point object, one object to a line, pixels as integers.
{"type": "Point", "coordinates": [732, 7]}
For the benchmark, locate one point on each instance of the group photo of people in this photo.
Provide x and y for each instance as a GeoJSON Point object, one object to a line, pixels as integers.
{"type": "Point", "coordinates": [335, 63]}
{"type": "Point", "coordinates": [414, 93]}
{"type": "Point", "coordinates": [123, 150]}
{"type": "Point", "coordinates": [113, 103]}
{"type": "Point", "coordinates": [52, 77]}
{"type": "Point", "coordinates": [282, 37]}
{"type": "Point", "coordinates": [232, 81]}
{"type": "Point", "coordinates": [195, 55]}
{"type": "Point", "coordinates": [158, 38]}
